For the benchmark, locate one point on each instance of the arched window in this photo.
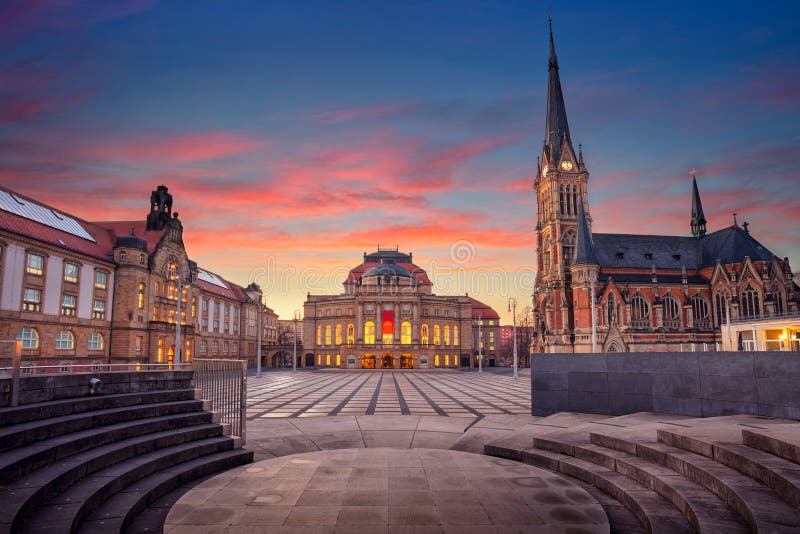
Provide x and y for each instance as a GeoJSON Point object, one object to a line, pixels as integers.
{"type": "Point", "coordinates": [640, 312]}
{"type": "Point", "coordinates": [750, 302]}
{"type": "Point", "coordinates": [561, 199]}
{"type": "Point", "coordinates": [327, 334]}
{"type": "Point", "coordinates": [234, 347]}
{"type": "Point", "coordinates": [369, 333]}
{"type": "Point", "coordinates": [203, 346]}
{"type": "Point", "coordinates": [437, 335]}
{"type": "Point", "coordinates": [65, 340]}
{"type": "Point", "coordinates": [446, 334]}
{"type": "Point", "coordinates": [456, 338]}
{"type": "Point", "coordinates": [95, 341]}
{"type": "Point", "coordinates": [611, 309]}
{"type": "Point", "coordinates": [351, 334]}
{"type": "Point", "coordinates": [339, 334]}
{"type": "Point", "coordinates": [574, 200]}
{"type": "Point", "coordinates": [568, 246]}
{"type": "Point", "coordinates": [29, 338]}
{"type": "Point", "coordinates": [215, 346]}
{"type": "Point", "coordinates": [423, 334]}
{"type": "Point", "coordinates": [672, 311]}
{"type": "Point", "coordinates": [780, 302]}
{"type": "Point", "coordinates": [721, 300]}
{"type": "Point", "coordinates": [405, 333]}
{"type": "Point", "coordinates": [224, 346]}
{"type": "Point", "coordinates": [319, 334]}
{"type": "Point", "coordinates": [701, 312]}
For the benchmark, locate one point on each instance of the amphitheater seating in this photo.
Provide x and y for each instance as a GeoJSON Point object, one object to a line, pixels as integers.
{"type": "Point", "coordinates": [732, 474]}
{"type": "Point", "coordinates": [92, 464]}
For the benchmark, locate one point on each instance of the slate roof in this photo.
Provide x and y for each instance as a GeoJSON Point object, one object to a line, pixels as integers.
{"type": "Point", "coordinates": [584, 250]}
{"type": "Point", "coordinates": [694, 279]}
{"type": "Point", "coordinates": [556, 129]}
{"type": "Point", "coordinates": [731, 245]}
{"type": "Point", "coordinates": [233, 291]}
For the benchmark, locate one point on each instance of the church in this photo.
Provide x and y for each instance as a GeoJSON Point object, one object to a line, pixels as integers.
{"type": "Point", "coordinates": [599, 292]}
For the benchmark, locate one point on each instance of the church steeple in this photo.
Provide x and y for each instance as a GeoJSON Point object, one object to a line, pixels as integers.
{"type": "Point", "coordinates": [556, 133]}
{"type": "Point", "coordinates": [584, 248]}
{"type": "Point", "coordinates": [698, 222]}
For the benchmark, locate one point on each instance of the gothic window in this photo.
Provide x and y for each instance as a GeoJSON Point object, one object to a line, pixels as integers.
{"type": "Point", "coordinates": [701, 312]}
{"type": "Point", "coordinates": [640, 312]}
{"type": "Point", "coordinates": [610, 310]}
{"type": "Point", "coordinates": [568, 246]}
{"type": "Point", "coordinates": [672, 311]}
{"type": "Point", "coordinates": [721, 299]}
{"type": "Point", "coordinates": [65, 340]}
{"type": "Point", "coordinates": [405, 333]}
{"type": "Point", "coordinates": [780, 303]}
{"type": "Point", "coordinates": [351, 334]}
{"type": "Point", "coordinates": [574, 200]}
{"type": "Point", "coordinates": [423, 334]}
{"type": "Point", "coordinates": [750, 302]}
{"type": "Point", "coordinates": [369, 333]}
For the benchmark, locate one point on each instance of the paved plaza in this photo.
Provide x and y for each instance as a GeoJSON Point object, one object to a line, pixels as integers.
{"type": "Point", "coordinates": [279, 394]}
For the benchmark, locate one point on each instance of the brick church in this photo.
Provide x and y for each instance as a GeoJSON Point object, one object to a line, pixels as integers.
{"type": "Point", "coordinates": [651, 292]}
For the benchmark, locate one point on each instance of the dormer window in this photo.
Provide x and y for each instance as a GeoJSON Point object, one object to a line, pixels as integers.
{"type": "Point", "coordinates": [676, 256]}
{"type": "Point", "coordinates": [648, 255]}
{"type": "Point", "coordinates": [620, 254]}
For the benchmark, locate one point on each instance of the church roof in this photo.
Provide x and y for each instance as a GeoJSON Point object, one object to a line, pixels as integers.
{"type": "Point", "coordinates": [584, 249]}
{"type": "Point", "coordinates": [556, 129]}
{"type": "Point", "coordinates": [731, 245]}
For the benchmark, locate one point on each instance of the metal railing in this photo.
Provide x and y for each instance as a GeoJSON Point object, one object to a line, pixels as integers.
{"type": "Point", "coordinates": [224, 383]}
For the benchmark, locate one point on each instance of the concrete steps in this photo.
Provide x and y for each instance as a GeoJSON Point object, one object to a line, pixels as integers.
{"type": "Point", "coordinates": [670, 474]}
{"type": "Point", "coordinates": [73, 457]}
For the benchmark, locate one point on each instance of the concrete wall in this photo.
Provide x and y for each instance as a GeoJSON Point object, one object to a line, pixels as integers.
{"type": "Point", "coordinates": [42, 388]}
{"type": "Point", "coordinates": [687, 383]}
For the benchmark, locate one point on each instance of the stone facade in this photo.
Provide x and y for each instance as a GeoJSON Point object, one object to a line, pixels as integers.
{"type": "Point", "coordinates": [388, 317]}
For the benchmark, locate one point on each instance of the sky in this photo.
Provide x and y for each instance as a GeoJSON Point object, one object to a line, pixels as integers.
{"type": "Point", "coordinates": [295, 136]}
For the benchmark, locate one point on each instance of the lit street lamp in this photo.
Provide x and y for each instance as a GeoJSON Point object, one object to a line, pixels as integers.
{"type": "Point", "coordinates": [512, 305]}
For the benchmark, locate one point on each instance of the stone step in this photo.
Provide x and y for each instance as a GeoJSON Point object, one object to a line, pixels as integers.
{"type": "Point", "coordinates": [65, 511]}
{"type": "Point", "coordinates": [783, 441]}
{"type": "Point", "coordinates": [60, 408]}
{"type": "Point", "coordinates": [21, 461]}
{"type": "Point", "coordinates": [761, 508]}
{"type": "Point", "coordinates": [21, 498]}
{"type": "Point", "coordinates": [781, 475]}
{"type": "Point", "coordinates": [119, 512]}
{"type": "Point", "coordinates": [29, 433]}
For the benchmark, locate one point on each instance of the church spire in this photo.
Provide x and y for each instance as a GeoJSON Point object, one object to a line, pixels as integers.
{"type": "Point", "coordinates": [698, 222]}
{"type": "Point", "coordinates": [556, 128]}
{"type": "Point", "coordinates": [584, 249]}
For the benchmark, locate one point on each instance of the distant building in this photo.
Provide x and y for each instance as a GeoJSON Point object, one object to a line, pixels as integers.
{"type": "Point", "coordinates": [388, 317]}
{"type": "Point", "coordinates": [83, 293]}
{"type": "Point", "coordinates": [651, 292]}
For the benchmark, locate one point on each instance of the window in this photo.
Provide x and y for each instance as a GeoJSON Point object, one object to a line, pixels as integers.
{"type": "Point", "coordinates": [203, 346]}
{"type": "Point", "coordinates": [319, 334]}
{"type": "Point", "coordinates": [172, 291]}
{"type": "Point", "coordinates": [568, 247]}
{"type": "Point", "coordinates": [721, 300]}
{"type": "Point", "coordinates": [611, 315]}
{"type": "Point", "coordinates": [351, 334]}
{"type": "Point", "coordinates": [204, 304]}
{"type": "Point", "coordinates": [99, 309]}
{"type": "Point", "coordinates": [32, 300]}
{"type": "Point", "coordinates": [437, 337]}
{"type": "Point", "coordinates": [405, 333]}
{"type": "Point", "coordinates": [780, 303]}
{"type": "Point", "coordinates": [369, 333]}
{"type": "Point", "coordinates": [123, 256]}
{"type": "Point", "coordinates": [71, 273]}
{"type": "Point", "coordinates": [640, 312]}
{"type": "Point", "coordinates": [194, 307]}
{"type": "Point", "coordinates": [160, 350]}
{"type": "Point", "coordinates": [234, 347]}
{"type": "Point", "coordinates": [35, 264]}
{"type": "Point", "coordinates": [140, 301]}
{"type": "Point", "coordinates": [172, 271]}
{"type": "Point", "coordinates": [155, 313]}
{"type": "Point", "coordinates": [327, 334]}
{"type": "Point", "coordinates": [141, 259]}
{"type": "Point", "coordinates": [139, 343]}
{"type": "Point", "coordinates": [224, 346]}
{"type": "Point", "coordinates": [95, 341]}
{"type": "Point", "coordinates": [456, 338]}
{"type": "Point", "coordinates": [215, 346]}
{"type": "Point", "coordinates": [446, 334]}
{"type": "Point", "coordinates": [216, 326]}
{"type": "Point", "coordinates": [100, 279]}
{"type": "Point", "coordinates": [750, 302]}
{"type": "Point", "coordinates": [65, 340]}
{"type": "Point", "coordinates": [672, 312]}
{"type": "Point", "coordinates": [701, 312]}
{"type": "Point", "coordinates": [423, 334]}
{"type": "Point", "coordinates": [68, 304]}
{"type": "Point", "coordinates": [29, 338]}
{"type": "Point", "coordinates": [339, 334]}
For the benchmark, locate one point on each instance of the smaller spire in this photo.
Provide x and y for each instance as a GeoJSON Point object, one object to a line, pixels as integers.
{"type": "Point", "coordinates": [584, 248]}
{"type": "Point", "coordinates": [580, 155]}
{"type": "Point", "coordinates": [698, 222]}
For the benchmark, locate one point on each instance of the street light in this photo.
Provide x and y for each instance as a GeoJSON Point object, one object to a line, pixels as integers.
{"type": "Point", "coordinates": [260, 330]}
{"type": "Point", "coordinates": [512, 305]}
{"type": "Point", "coordinates": [294, 340]}
{"type": "Point", "coordinates": [480, 344]}
{"type": "Point", "coordinates": [179, 277]}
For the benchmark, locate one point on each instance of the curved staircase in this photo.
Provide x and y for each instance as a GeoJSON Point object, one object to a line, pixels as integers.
{"type": "Point", "coordinates": [92, 464]}
{"type": "Point", "coordinates": [732, 474]}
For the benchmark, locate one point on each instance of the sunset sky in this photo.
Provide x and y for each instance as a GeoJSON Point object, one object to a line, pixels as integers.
{"type": "Point", "coordinates": [297, 135]}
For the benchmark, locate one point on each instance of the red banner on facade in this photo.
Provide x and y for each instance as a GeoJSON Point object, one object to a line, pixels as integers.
{"type": "Point", "coordinates": [387, 319]}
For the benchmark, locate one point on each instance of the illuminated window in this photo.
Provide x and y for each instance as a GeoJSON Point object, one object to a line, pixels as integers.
{"type": "Point", "coordinates": [32, 299]}
{"type": "Point", "coordinates": [95, 341]}
{"type": "Point", "coordinates": [65, 340]}
{"type": "Point", "coordinates": [423, 334]}
{"type": "Point", "coordinates": [140, 302]}
{"type": "Point", "coordinates": [99, 309]}
{"type": "Point", "coordinates": [405, 333]}
{"type": "Point", "coordinates": [447, 360]}
{"type": "Point", "coordinates": [437, 337]}
{"type": "Point", "coordinates": [351, 334]}
{"type": "Point", "coordinates": [68, 304]}
{"type": "Point", "coordinates": [138, 345]}
{"type": "Point", "coordinates": [29, 338]}
{"type": "Point", "coordinates": [455, 335]}
{"type": "Point", "coordinates": [328, 360]}
{"type": "Point", "coordinates": [172, 271]}
{"type": "Point", "coordinates": [319, 359]}
{"type": "Point", "coordinates": [100, 279]}
{"type": "Point", "coordinates": [160, 356]}
{"type": "Point", "coordinates": [172, 291]}
{"type": "Point", "coordinates": [446, 334]}
{"type": "Point", "coordinates": [327, 334]}
{"type": "Point", "coordinates": [369, 333]}
{"type": "Point", "coordinates": [71, 273]}
{"type": "Point", "coordinates": [319, 334]}
{"type": "Point", "coordinates": [35, 264]}
{"type": "Point", "coordinates": [338, 360]}
{"type": "Point", "coordinates": [339, 334]}
{"type": "Point", "coordinates": [436, 360]}
{"type": "Point", "coordinates": [194, 307]}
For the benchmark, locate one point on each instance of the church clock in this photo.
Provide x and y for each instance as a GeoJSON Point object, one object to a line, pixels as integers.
{"type": "Point", "coordinates": [566, 165]}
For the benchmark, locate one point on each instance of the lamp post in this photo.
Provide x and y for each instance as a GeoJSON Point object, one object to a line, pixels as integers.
{"type": "Point", "coordinates": [294, 340]}
{"type": "Point", "coordinates": [480, 344]}
{"type": "Point", "coordinates": [512, 305]}
{"type": "Point", "coordinates": [177, 357]}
